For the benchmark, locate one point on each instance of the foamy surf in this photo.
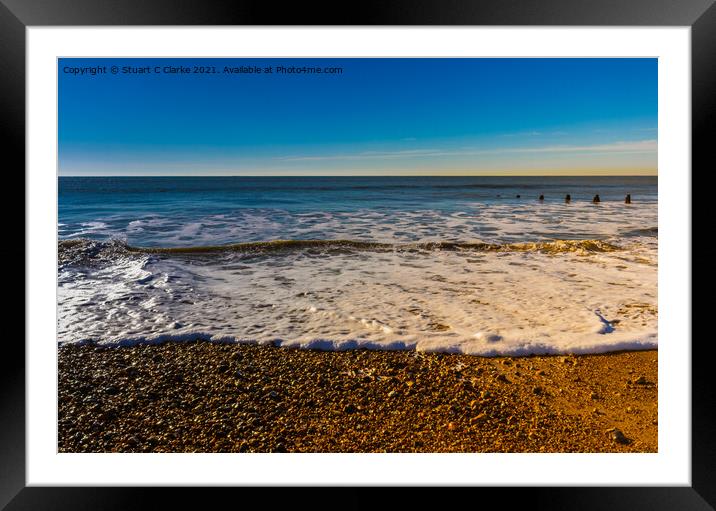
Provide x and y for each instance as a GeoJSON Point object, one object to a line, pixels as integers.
{"type": "Point", "coordinates": [648, 342]}
{"type": "Point", "coordinates": [587, 296]}
{"type": "Point", "coordinates": [424, 264]}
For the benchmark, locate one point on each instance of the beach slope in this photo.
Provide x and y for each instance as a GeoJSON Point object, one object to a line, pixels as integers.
{"type": "Point", "coordinates": [204, 397]}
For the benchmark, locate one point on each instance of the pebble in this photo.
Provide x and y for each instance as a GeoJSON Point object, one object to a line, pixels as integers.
{"type": "Point", "coordinates": [617, 436]}
{"type": "Point", "coordinates": [478, 419]}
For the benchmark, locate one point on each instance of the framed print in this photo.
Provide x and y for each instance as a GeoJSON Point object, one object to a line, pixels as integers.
{"type": "Point", "coordinates": [273, 249]}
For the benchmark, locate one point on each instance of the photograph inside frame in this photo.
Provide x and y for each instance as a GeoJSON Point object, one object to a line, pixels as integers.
{"type": "Point", "coordinates": [357, 255]}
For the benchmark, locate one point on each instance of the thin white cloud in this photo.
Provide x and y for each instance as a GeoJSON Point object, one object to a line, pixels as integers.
{"type": "Point", "coordinates": [634, 147]}
{"type": "Point", "coordinates": [365, 155]}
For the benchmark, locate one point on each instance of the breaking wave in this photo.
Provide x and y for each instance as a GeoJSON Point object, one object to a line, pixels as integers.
{"type": "Point", "coordinates": [77, 251]}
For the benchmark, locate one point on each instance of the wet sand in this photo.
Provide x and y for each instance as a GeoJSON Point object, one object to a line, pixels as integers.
{"type": "Point", "coordinates": [203, 397]}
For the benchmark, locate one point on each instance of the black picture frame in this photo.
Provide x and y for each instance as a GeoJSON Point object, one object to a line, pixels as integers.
{"type": "Point", "coordinates": [16, 15]}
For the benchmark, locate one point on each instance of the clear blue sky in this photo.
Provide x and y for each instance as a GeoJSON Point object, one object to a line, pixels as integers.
{"type": "Point", "coordinates": [378, 116]}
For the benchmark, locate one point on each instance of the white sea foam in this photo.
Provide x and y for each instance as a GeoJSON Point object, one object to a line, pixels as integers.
{"type": "Point", "coordinates": [482, 303]}
{"type": "Point", "coordinates": [492, 223]}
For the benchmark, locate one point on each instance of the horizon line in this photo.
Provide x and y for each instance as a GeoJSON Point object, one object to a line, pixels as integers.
{"type": "Point", "coordinates": [615, 172]}
{"type": "Point", "coordinates": [360, 175]}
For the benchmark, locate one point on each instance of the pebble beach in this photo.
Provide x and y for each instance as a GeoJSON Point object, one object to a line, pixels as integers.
{"type": "Point", "coordinates": [209, 397]}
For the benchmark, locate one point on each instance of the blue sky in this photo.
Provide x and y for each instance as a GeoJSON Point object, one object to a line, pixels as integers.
{"type": "Point", "coordinates": [377, 116]}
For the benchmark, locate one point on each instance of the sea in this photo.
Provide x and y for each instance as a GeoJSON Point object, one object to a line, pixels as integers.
{"type": "Point", "coordinates": [475, 265]}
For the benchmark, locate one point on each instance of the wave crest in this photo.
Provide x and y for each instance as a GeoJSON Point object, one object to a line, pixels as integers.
{"type": "Point", "coordinates": [552, 247]}
{"type": "Point", "coordinates": [82, 250]}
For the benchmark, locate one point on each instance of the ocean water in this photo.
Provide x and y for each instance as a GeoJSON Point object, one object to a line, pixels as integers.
{"type": "Point", "coordinates": [457, 264]}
